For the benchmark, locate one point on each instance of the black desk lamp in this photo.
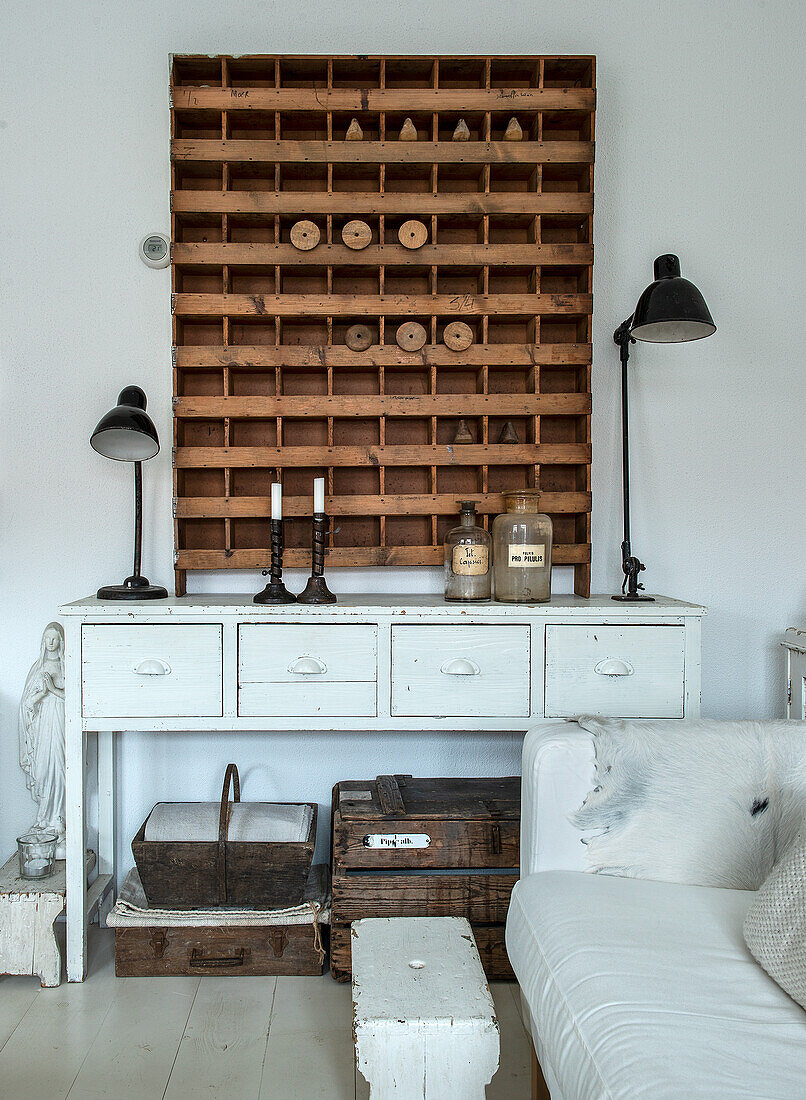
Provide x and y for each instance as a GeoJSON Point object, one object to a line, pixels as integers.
{"type": "Point", "coordinates": [670, 311]}
{"type": "Point", "coordinates": [127, 434]}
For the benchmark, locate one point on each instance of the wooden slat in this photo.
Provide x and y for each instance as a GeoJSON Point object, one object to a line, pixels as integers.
{"type": "Point", "coordinates": [381, 152]}
{"type": "Point", "coordinates": [442, 504]}
{"type": "Point", "coordinates": [346, 557]}
{"type": "Point", "coordinates": [500, 255]}
{"type": "Point", "coordinates": [406, 100]}
{"type": "Point", "coordinates": [373, 405]}
{"type": "Point", "coordinates": [375, 305]}
{"type": "Point", "coordinates": [260, 356]}
{"type": "Point", "coordinates": [370, 202]}
{"type": "Point", "coordinates": [471, 454]}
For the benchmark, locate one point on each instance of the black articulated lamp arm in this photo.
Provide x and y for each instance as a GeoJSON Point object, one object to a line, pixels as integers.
{"type": "Point", "coordinates": [138, 518]}
{"type": "Point", "coordinates": [631, 565]}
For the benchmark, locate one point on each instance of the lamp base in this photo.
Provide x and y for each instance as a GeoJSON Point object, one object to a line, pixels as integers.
{"type": "Point", "coordinates": [624, 597]}
{"type": "Point", "coordinates": [133, 588]}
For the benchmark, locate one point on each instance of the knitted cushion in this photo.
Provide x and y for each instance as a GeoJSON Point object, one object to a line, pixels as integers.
{"type": "Point", "coordinates": [775, 925]}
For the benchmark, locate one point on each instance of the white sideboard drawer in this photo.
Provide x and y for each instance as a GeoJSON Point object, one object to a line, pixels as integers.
{"type": "Point", "coordinates": [623, 671]}
{"type": "Point", "coordinates": [153, 671]}
{"type": "Point", "coordinates": [460, 671]}
{"type": "Point", "coordinates": [316, 699]}
{"type": "Point", "coordinates": [299, 670]}
{"type": "Point", "coordinates": [279, 653]}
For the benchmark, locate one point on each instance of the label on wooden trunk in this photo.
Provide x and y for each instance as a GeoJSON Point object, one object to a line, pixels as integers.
{"type": "Point", "coordinates": [397, 840]}
{"type": "Point", "coordinates": [471, 561]}
{"type": "Point", "coordinates": [529, 556]}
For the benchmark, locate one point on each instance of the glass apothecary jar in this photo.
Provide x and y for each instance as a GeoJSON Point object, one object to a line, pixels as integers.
{"type": "Point", "coordinates": [468, 558]}
{"type": "Point", "coordinates": [522, 539]}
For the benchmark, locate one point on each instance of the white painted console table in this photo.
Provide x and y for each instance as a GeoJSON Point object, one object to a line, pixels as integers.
{"type": "Point", "coordinates": [365, 663]}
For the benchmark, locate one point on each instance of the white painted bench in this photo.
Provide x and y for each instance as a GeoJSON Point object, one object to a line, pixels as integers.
{"type": "Point", "coordinates": [28, 909]}
{"type": "Point", "coordinates": [424, 1019]}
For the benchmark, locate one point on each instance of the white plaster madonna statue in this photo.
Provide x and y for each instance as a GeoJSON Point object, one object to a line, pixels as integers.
{"type": "Point", "coordinates": [42, 735]}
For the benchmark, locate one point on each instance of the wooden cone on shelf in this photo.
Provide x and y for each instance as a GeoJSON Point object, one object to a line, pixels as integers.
{"type": "Point", "coordinates": [513, 131]}
{"type": "Point", "coordinates": [463, 433]}
{"type": "Point", "coordinates": [408, 131]}
{"type": "Point", "coordinates": [354, 131]}
{"type": "Point", "coordinates": [462, 132]}
{"type": "Point", "coordinates": [508, 433]}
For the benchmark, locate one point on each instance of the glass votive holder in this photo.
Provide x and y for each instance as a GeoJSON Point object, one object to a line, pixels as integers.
{"type": "Point", "coordinates": [37, 854]}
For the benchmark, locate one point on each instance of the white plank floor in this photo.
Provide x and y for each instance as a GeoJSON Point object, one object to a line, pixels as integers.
{"type": "Point", "coordinates": [182, 1038]}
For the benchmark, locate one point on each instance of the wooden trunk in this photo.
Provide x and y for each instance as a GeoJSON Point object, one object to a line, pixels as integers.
{"type": "Point", "coordinates": [405, 847]}
{"type": "Point", "coordinates": [268, 385]}
{"type": "Point", "coordinates": [227, 950]}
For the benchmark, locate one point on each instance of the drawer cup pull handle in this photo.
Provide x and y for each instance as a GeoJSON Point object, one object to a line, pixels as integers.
{"type": "Point", "coordinates": [152, 666]}
{"type": "Point", "coordinates": [307, 666]}
{"type": "Point", "coordinates": [614, 666]}
{"type": "Point", "coordinates": [460, 666]}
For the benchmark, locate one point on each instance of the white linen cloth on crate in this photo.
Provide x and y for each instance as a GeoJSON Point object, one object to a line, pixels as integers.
{"type": "Point", "coordinates": [261, 822]}
{"type": "Point", "coordinates": [701, 802]}
{"type": "Point", "coordinates": [131, 910]}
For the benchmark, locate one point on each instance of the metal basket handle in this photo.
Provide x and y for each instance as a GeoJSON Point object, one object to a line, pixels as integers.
{"type": "Point", "coordinates": [223, 824]}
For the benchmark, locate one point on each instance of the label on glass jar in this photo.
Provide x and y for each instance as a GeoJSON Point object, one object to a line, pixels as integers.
{"type": "Point", "coordinates": [529, 556]}
{"type": "Point", "coordinates": [470, 561]}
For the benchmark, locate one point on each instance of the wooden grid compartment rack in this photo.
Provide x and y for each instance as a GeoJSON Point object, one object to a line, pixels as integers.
{"type": "Point", "coordinates": [265, 385]}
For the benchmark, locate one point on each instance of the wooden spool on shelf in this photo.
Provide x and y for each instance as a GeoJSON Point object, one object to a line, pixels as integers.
{"type": "Point", "coordinates": [356, 235]}
{"type": "Point", "coordinates": [359, 337]}
{"type": "Point", "coordinates": [412, 234]}
{"type": "Point", "coordinates": [305, 235]}
{"type": "Point", "coordinates": [513, 131]}
{"type": "Point", "coordinates": [462, 131]}
{"type": "Point", "coordinates": [408, 131]}
{"type": "Point", "coordinates": [410, 336]}
{"type": "Point", "coordinates": [458, 336]}
{"type": "Point", "coordinates": [354, 131]}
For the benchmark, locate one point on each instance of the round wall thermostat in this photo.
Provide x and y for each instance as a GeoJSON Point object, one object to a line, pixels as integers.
{"type": "Point", "coordinates": [155, 250]}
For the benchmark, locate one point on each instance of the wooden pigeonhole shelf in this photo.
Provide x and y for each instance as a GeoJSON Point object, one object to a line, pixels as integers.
{"type": "Point", "coordinates": [265, 386]}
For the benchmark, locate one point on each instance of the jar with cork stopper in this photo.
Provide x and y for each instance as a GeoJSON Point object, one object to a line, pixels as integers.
{"type": "Point", "coordinates": [468, 558]}
{"type": "Point", "coordinates": [522, 538]}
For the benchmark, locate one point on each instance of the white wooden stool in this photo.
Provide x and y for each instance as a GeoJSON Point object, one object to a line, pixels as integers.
{"type": "Point", "coordinates": [28, 908]}
{"type": "Point", "coordinates": [425, 1026]}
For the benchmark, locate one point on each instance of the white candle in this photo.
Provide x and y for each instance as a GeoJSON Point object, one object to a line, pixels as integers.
{"type": "Point", "coordinates": [276, 500]}
{"type": "Point", "coordinates": [318, 495]}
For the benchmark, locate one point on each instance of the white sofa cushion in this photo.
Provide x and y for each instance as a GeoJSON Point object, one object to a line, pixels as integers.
{"type": "Point", "coordinates": [640, 988]}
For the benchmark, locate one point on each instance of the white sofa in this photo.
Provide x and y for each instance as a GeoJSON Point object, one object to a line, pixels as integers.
{"type": "Point", "coordinates": [635, 988]}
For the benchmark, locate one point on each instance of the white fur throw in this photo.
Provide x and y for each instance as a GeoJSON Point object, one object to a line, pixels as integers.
{"type": "Point", "coordinates": [775, 925]}
{"type": "Point", "coordinates": [701, 802]}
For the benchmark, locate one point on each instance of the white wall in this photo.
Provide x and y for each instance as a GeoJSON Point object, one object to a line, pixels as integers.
{"type": "Point", "coordinates": [700, 150]}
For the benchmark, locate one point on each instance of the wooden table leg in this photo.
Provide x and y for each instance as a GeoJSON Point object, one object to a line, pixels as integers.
{"type": "Point", "coordinates": [75, 811]}
{"type": "Point", "coordinates": [106, 818]}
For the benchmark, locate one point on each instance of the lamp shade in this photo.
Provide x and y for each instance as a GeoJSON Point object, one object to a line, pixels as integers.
{"type": "Point", "coordinates": [671, 310]}
{"type": "Point", "coordinates": [127, 432]}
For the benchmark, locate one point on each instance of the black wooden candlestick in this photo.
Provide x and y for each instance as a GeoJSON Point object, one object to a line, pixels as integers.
{"type": "Point", "coordinates": [275, 591]}
{"type": "Point", "coordinates": [316, 590]}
